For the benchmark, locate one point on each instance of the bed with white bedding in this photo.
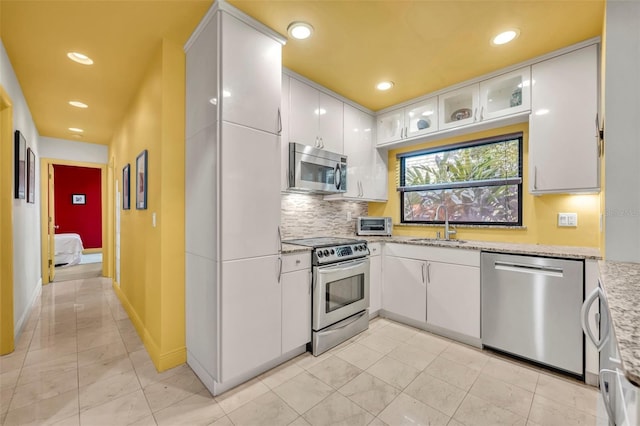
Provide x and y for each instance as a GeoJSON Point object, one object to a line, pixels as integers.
{"type": "Point", "coordinates": [68, 249]}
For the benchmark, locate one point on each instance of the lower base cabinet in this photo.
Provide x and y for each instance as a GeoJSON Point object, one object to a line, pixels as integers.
{"type": "Point", "coordinates": [404, 287]}
{"type": "Point", "coordinates": [453, 298]}
{"type": "Point", "coordinates": [296, 309]}
{"type": "Point", "coordinates": [375, 278]}
{"type": "Point", "coordinates": [251, 323]}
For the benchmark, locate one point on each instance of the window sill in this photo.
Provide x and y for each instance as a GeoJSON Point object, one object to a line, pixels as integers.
{"type": "Point", "coordinates": [440, 225]}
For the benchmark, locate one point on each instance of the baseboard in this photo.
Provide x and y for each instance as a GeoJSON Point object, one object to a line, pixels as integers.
{"type": "Point", "coordinates": [162, 361]}
{"type": "Point", "coordinates": [22, 321]}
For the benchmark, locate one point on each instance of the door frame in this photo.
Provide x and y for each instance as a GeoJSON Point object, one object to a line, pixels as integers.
{"type": "Point", "coordinates": [44, 213]}
{"type": "Point", "coordinates": [7, 343]}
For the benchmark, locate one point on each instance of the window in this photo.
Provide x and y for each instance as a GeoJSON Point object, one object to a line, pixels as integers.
{"type": "Point", "coordinates": [478, 182]}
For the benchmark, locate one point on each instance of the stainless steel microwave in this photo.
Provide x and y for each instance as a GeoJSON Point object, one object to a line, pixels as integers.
{"type": "Point", "coordinates": [316, 170]}
{"type": "Point", "coordinates": [374, 226]}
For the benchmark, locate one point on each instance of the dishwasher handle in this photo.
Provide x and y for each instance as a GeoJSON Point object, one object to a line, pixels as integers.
{"type": "Point", "coordinates": [597, 293]}
{"type": "Point", "coordinates": [528, 268]}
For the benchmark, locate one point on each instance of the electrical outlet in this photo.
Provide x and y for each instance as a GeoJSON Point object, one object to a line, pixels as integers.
{"type": "Point", "coordinates": [568, 219]}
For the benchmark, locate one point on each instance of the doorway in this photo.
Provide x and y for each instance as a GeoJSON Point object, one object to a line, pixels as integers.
{"type": "Point", "coordinates": [73, 220]}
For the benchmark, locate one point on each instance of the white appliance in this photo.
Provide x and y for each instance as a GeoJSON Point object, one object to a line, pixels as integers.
{"type": "Point", "coordinates": [621, 397]}
{"type": "Point", "coordinates": [340, 295]}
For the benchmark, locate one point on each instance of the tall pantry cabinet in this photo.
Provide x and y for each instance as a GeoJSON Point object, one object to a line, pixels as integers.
{"type": "Point", "coordinates": [233, 122]}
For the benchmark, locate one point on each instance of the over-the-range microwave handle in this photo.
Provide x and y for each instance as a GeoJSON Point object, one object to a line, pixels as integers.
{"type": "Point", "coordinates": [338, 174]}
{"type": "Point", "coordinates": [597, 293]}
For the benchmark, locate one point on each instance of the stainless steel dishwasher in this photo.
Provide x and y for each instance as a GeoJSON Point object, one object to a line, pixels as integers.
{"type": "Point", "coordinates": [531, 308]}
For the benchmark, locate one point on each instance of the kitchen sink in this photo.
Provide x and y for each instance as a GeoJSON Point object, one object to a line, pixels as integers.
{"type": "Point", "coordinates": [436, 240]}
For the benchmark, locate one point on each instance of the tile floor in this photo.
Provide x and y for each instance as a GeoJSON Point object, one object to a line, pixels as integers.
{"type": "Point", "coordinates": [80, 361]}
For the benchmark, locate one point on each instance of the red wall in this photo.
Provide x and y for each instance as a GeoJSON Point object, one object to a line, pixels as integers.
{"type": "Point", "coordinates": [82, 219]}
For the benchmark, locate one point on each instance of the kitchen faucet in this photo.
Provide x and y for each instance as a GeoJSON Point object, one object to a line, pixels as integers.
{"type": "Point", "coordinates": [447, 232]}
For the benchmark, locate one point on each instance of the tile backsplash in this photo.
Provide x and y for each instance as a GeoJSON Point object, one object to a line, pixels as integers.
{"type": "Point", "coordinates": [305, 216]}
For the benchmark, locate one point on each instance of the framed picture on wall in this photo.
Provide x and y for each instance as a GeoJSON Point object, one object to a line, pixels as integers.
{"type": "Point", "coordinates": [78, 199]}
{"type": "Point", "coordinates": [141, 181]}
{"type": "Point", "coordinates": [126, 187]}
{"type": "Point", "coordinates": [31, 176]}
{"type": "Point", "coordinates": [20, 165]}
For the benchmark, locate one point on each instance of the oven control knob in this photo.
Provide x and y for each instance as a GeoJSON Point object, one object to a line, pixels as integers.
{"type": "Point", "coordinates": [326, 252]}
{"type": "Point", "coordinates": [320, 253]}
{"type": "Point", "coordinates": [332, 252]}
{"type": "Point", "coordinates": [363, 247]}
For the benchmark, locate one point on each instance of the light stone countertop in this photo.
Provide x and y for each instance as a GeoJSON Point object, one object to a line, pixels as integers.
{"type": "Point", "coordinates": [292, 248]}
{"type": "Point", "coordinates": [565, 252]}
{"type": "Point", "coordinates": [621, 283]}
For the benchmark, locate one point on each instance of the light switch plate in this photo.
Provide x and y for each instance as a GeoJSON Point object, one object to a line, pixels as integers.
{"type": "Point", "coordinates": [568, 219]}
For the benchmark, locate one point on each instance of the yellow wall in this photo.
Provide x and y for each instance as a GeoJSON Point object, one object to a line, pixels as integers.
{"type": "Point", "coordinates": [151, 285]}
{"type": "Point", "coordinates": [6, 224]}
{"type": "Point", "coordinates": [539, 213]}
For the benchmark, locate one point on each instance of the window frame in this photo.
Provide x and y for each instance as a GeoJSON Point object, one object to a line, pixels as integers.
{"type": "Point", "coordinates": [518, 181]}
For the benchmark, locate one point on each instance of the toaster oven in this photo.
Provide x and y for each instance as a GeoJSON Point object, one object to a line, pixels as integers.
{"type": "Point", "coordinates": [368, 225]}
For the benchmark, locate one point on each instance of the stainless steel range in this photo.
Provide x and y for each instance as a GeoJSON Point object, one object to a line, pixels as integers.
{"type": "Point", "coordinates": [340, 297]}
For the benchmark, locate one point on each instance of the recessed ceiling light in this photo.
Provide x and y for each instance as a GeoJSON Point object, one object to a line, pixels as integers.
{"type": "Point", "coordinates": [300, 30]}
{"type": "Point", "coordinates": [384, 85]}
{"type": "Point", "coordinates": [80, 58]}
{"type": "Point", "coordinates": [78, 104]}
{"type": "Point", "coordinates": [505, 37]}
{"type": "Point", "coordinates": [427, 113]}
{"type": "Point", "coordinates": [75, 129]}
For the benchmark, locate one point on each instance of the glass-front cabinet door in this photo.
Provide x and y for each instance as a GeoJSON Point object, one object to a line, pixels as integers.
{"type": "Point", "coordinates": [390, 126]}
{"type": "Point", "coordinates": [505, 94]}
{"type": "Point", "coordinates": [421, 118]}
{"type": "Point", "coordinates": [459, 107]}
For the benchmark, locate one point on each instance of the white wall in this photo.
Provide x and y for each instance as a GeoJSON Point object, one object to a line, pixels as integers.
{"type": "Point", "coordinates": [62, 149]}
{"type": "Point", "coordinates": [26, 217]}
{"type": "Point", "coordinates": [622, 131]}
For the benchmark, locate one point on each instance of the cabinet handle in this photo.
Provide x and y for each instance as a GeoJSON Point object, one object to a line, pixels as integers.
{"type": "Point", "coordinates": [428, 272]}
{"type": "Point", "coordinates": [604, 388]}
{"type": "Point", "coordinates": [482, 113]}
{"type": "Point", "coordinates": [310, 281]}
{"type": "Point", "coordinates": [279, 122]}
{"type": "Point", "coordinates": [535, 177]}
{"type": "Point", "coordinates": [279, 241]}
{"type": "Point", "coordinates": [422, 269]}
{"type": "Point", "coordinates": [321, 143]}
{"type": "Point", "coordinates": [406, 132]}
{"type": "Point", "coordinates": [475, 114]}
{"type": "Point", "coordinates": [279, 268]}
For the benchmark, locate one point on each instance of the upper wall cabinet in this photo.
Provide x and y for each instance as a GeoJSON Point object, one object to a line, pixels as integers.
{"type": "Point", "coordinates": [251, 77]}
{"type": "Point", "coordinates": [494, 98]}
{"type": "Point", "coordinates": [315, 118]}
{"type": "Point", "coordinates": [459, 107]}
{"type": "Point", "coordinates": [564, 148]}
{"type": "Point", "coordinates": [505, 94]}
{"type": "Point", "coordinates": [414, 120]}
{"type": "Point", "coordinates": [367, 168]}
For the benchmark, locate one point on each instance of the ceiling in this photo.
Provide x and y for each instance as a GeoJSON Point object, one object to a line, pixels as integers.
{"type": "Point", "coordinates": [422, 46]}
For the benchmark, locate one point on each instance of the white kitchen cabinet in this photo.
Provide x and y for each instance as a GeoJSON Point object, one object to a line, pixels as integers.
{"type": "Point", "coordinates": [296, 300]}
{"type": "Point", "coordinates": [564, 150]}
{"type": "Point", "coordinates": [251, 309]}
{"type": "Point", "coordinates": [367, 167]}
{"type": "Point", "coordinates": [251, 76]}
{"type": "Point", "coordinates": [506, 94]}
{"type": "Point", "coordinates": [284, 135]}
{"type": "Point", "coordinates": [414, 120]}
{"type": "Point", "coordinates": [404, 288]}
{"type": "Point", "coordinates": [453, 297]}
{"type": "Point", "coordinates": [233, 83]}
{"type": "Point", "coordinates": [315, 118]}
{"type": "Point", "coordinates": [459, 107]}
{"type": "Point", "coordinates": [248, 153]}
{"type": "Point", "coordinates": [375, 279]}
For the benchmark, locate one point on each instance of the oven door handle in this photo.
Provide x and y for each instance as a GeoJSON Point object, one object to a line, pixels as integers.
{"type": "Point", "coordinates": [342, 267]}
